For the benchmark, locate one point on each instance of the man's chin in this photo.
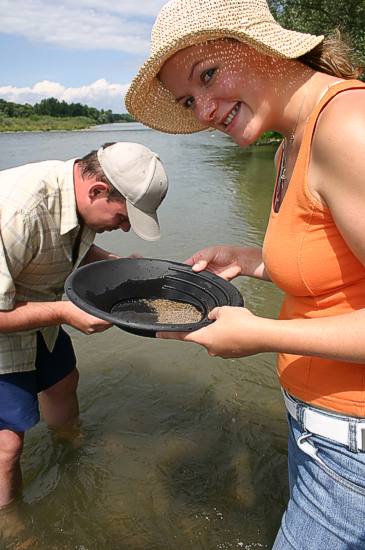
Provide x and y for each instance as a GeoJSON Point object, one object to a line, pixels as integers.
{"type": "Point", "coordinates": [104, 229]}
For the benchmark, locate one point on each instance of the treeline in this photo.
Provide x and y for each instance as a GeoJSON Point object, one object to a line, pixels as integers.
{"type": "Point", "coordinates": [324, 17]}
{"type": "Point", "coordinates": [54, 108]}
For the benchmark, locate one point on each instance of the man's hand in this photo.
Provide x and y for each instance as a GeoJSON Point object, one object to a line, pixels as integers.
{"type": "Point", "coordinates": [79, 319]}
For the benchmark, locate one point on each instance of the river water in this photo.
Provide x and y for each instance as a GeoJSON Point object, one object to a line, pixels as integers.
{"type": "Point", "coordinates": [180, 451]}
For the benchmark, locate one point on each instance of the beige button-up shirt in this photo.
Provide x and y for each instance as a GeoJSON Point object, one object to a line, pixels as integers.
{"type": "Point", "coordinates": [38, 229]}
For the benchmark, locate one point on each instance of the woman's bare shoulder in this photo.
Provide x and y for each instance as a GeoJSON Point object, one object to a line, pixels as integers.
{"type": "Point", "coordinates": [337, 170]}
{"type": "Point", "coordinates": [342, 119]}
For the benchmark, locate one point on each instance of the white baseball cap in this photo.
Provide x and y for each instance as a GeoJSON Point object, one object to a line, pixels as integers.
{"type": "Point", "coordinates": [138, 174]}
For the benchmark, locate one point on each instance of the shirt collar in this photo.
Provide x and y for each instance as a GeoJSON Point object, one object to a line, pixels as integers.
{"type": "Point", "coordinates": [69, 218]}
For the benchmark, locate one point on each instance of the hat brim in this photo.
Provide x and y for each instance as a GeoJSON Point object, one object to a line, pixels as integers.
{"type": "Point", "coordinates": [144, 224]}
{"type": "Point", "coordinates": [150, 103]}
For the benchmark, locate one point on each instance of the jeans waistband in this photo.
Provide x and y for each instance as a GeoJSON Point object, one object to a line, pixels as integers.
{"type": "Point", "coordinates": [348, 431]}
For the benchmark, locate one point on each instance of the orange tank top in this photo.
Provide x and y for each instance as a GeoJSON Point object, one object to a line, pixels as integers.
{"type": "Point", "coordinates": [308, 259]}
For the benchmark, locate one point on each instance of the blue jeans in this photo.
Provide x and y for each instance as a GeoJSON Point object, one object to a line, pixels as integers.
{"type": "Point", "coordinates": [326, 509]}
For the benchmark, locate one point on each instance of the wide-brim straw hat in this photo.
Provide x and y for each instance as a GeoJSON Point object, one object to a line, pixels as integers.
{"type": "Point", "coordinates": [183, 23]}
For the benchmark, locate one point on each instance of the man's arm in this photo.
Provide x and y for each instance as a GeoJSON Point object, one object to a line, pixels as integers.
{"type": "Point", "coordinates": [35, 315]}
{"type": "Point", "coordinates": [18, 246]}
{"type": "Point", "coordinates": [95, 254]}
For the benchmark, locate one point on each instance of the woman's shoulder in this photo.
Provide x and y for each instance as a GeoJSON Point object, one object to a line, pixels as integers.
{"type": "Point", "coordinates": [338, 147]}
{"type": "Point", "coordinates": [341, 123]}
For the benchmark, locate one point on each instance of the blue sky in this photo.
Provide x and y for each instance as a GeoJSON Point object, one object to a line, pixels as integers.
{"type": "Point", "coordinates": [83, 51]}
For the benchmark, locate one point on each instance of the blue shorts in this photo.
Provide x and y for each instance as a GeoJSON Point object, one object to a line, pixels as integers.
{"type": "Point", "coordinates": [19, 409]}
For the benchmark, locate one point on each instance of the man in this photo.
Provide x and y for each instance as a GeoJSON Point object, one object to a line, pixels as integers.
{"type": "Point", "coordinates": [49, 214]}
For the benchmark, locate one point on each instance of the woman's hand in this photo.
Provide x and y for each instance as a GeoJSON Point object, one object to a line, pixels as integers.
{"type": "Point", "coordinates": [229, 261]}
{"type": "Point", "coordinates": [236, 332]}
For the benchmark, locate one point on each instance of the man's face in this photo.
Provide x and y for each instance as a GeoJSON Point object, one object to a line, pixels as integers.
{"type": "Point", "coordinates": [107, 215]}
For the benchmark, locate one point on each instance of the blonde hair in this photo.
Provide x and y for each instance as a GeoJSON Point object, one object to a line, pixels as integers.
{"type": "Point", "coordinates": [334, 56]}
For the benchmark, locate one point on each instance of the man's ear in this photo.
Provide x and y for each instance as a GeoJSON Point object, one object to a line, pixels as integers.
{"type": "Point", "coordinates": [98, 189]}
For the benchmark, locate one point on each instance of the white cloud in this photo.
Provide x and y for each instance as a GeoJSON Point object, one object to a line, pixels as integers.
{"type": "Point", "coordinates": [127, 7]}
{"type": "Point", "coordinates": [85, 24]}
{"type": "Point", "coordinates": [100, 94]}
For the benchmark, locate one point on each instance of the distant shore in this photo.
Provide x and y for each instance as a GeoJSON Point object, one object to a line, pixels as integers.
{"type": "Point", "coordinates": [45, 124]}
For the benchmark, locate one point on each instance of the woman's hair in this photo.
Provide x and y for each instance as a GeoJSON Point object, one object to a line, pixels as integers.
{"type": "Point", "coordinates": [89, 166]}
{"type": "Point", "coordinates": [334, 56]}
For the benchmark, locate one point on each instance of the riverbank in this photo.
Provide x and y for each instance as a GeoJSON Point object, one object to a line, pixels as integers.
{"type": "Point", "coordinates": [45, 123]}
{"type": "Point", "coordinates": [39, 123]}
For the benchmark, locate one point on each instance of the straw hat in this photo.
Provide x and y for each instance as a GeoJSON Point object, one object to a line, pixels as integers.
{"type": "Point", "coordinates": [182, 23]}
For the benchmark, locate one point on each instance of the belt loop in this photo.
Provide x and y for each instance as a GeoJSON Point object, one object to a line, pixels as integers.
{"type": "Point", "coordinates": [352, 441]}
{"type": "Point", "coordinates": [363, 439]}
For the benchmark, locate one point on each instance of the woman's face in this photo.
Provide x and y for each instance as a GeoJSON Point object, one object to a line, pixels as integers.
{"type": "Point", "coordinates": [225, 83]}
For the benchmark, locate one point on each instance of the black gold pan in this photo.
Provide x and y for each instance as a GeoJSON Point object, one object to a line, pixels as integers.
{"type": "Point", "coordinates": [144, 295]}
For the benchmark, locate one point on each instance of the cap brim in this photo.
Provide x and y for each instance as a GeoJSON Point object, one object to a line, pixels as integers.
{"type": "Point", "coordinates": [144, 224]}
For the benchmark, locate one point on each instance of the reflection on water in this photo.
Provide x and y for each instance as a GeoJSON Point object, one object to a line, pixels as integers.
{"type": "Point", "coordinates": [180, 450]}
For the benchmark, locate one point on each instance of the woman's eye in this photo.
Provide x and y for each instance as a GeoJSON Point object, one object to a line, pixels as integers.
{"type": "Point", "coordinates": [207, 75]}
{"type": "Point", "coordinates": [189, 102]}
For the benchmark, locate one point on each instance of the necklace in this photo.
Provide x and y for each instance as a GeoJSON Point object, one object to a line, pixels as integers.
{"type": "Point", "coordinates": [287, 143]}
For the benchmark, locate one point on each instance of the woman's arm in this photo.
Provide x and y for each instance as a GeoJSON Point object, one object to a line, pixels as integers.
{"type": "Point", "coordinates": [236, 332]}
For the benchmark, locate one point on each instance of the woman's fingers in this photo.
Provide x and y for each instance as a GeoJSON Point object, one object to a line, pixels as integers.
{"type": "Point", "coordinates": [200, 265]}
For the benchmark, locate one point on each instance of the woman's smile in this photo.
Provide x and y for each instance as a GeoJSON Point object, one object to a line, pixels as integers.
{"type": "Point", "coordinates": [232, 115]}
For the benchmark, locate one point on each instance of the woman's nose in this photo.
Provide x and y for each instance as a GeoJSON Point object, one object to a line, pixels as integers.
{"type": "Point", "coordinates": [205, 109]}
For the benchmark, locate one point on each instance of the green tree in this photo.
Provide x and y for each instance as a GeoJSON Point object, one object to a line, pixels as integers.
{"type": "Point", "coordinates": [323, 17]}
{"type": "Point", "coordinates": [51, 113]}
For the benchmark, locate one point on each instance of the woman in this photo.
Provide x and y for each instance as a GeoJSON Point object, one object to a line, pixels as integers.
{"type": "Point", "coordinates": [226, 64]}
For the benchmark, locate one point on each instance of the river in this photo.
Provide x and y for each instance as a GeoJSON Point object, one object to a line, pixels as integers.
{"type": "Point", "coordinates": [180, 451]}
